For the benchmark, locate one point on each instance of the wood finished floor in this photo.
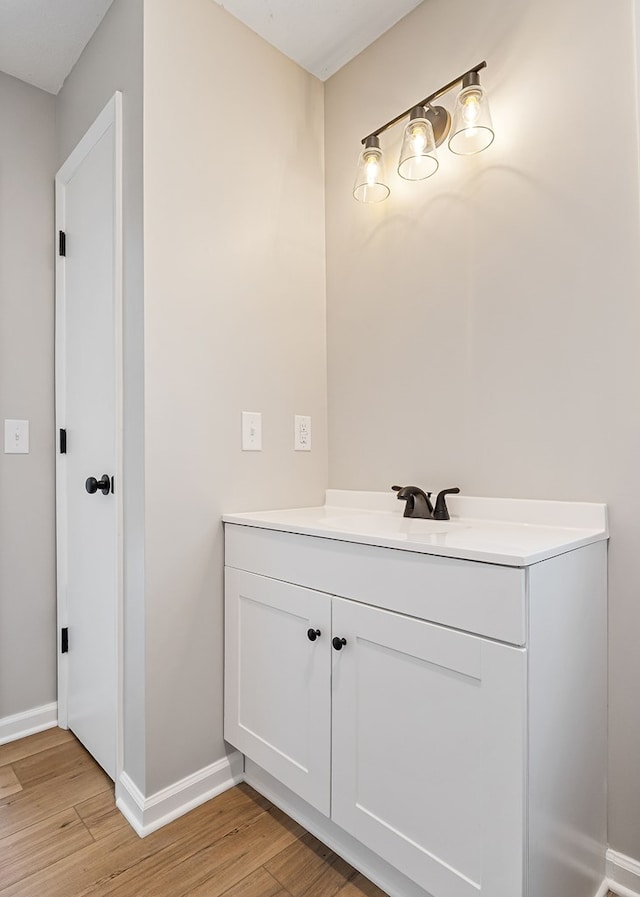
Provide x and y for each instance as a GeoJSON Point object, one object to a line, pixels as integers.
{"type": "Point", "coordinates": [61, 836]}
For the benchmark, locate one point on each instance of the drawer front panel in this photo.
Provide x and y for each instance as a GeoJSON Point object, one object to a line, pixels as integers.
{"type": "Point", "coordinates": [481, 598]}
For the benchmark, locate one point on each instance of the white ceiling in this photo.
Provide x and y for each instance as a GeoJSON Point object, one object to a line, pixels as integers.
{"type": "Point", "coordinates": [320, 35]}
{"type": "Point", "coordinates": [41, 40]}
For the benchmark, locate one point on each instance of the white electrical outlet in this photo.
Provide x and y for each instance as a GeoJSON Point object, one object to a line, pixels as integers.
{"type": "Point", "coordinates": [251, 431]}
{"type": "Point", "coordinates": [16, 437]}
{"type": "Point", "coordinates": [302, 433]}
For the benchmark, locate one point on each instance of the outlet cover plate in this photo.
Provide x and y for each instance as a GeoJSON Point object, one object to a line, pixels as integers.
{"type": "Point", "coordinates": [302, 433]}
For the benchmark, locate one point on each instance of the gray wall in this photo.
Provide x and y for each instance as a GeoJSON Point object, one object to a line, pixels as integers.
{"type": "Point", "coordinates": [113, 61]}
{"type": "Point", "coordinates": [27, 547]}
{"type": "Point", "coordinates": [234, 320]}
{"type": "Point", "coordinates": [483, 325]}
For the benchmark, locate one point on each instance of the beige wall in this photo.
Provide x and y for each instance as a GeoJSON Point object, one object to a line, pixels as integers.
{"type": "Point", "coordinates": [483, 325]}
{"type": "Point", "coordinates": [112, 61]}
{"type": "Point", "coordinates": [234, 320]}
{"type": "Point", "coordinates": [27, 547]}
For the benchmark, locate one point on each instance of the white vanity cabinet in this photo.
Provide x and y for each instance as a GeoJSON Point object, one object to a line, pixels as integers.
{"type": "Point", "coordinates": [469, 758]}
{"type": "Point", "coordinates": [411, 736]}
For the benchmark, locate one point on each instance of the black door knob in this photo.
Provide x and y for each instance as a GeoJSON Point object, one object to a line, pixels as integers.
{"type": "Point", "coordinates": [103, 484]}
{"type": "Point", "coordinates": [339, 643]}
{"type": "Point", "coordinates": [313, 634]}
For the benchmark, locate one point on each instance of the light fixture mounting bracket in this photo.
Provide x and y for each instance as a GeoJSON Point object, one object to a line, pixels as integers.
{"type": "Point", "coordinates": [440, 122]}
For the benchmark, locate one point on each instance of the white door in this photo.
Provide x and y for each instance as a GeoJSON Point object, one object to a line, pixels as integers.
{"type": "Point", "coordinates": [88, 409]}
{"type": "Point", "coordinates": [429, 750]}
{"type": "Point", "coordinates": [278, 680]}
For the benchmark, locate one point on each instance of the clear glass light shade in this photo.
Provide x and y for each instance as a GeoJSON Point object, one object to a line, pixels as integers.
{"type": "Point", "coordinates": [371, 183]}
{"type": "Point", "coordinates": [418, 159]}
{"type": "Point", "coordinates": [472, 128]}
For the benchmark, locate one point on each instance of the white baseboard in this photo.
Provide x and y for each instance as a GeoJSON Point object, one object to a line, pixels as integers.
{"type": "Point", "coordinates": [147, 814]}
{"type": "Point", "coordinates": [623, 874]}
{"type": "Point", "coordinates": [28, 723]}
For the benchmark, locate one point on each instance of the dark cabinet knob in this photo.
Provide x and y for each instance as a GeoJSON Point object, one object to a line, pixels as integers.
{"type": "Point", "coordinates": [313, 634]}
{"type": "Point", "coordinates": [339, 643]}
{"type": "Point", "coordinates": [103, 484]}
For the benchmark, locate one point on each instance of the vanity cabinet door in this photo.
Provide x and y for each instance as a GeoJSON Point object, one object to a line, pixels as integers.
{"type": "Point", "coordinates": [278, 681]}
{"type": "Point", "coordinates": [429, 750]}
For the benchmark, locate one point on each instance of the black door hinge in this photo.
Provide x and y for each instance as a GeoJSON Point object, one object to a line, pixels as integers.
{"type": "Point", "coordinates": [63, 442]}
{"type": "Point", "coordinates": [62, 243]}
{"type": "Point", "coordinates": [64, 640]}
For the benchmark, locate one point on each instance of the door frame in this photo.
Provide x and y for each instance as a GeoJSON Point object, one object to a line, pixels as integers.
{"type": "Point", "coordinates": [110, 117]}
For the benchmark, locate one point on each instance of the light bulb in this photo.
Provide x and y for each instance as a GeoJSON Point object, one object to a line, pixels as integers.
{"type": "Point", "coordinates": [471, 107]}
{"type": "Point", "coordinates": [372, 168]}
{"type": "Point", "coordinates": [418, 138]}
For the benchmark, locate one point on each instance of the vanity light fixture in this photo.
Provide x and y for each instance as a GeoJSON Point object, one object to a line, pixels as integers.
{"type": "Point", "coordinates": [428, 127]}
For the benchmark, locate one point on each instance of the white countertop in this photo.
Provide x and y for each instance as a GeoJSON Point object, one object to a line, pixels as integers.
{"type": "Point", "coordinates": [514, 532]}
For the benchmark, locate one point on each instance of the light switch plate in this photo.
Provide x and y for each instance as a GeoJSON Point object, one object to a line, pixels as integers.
{"type": "Point", "coordinates": [302, 433]}
{"type": "Point", "coordinates": [16, 437]}
{"type": "Point", "coordinates": [251, 431]}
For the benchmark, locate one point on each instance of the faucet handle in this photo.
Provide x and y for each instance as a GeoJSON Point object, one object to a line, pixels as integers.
{"type": "Point", "coordinates": [440, 512]}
